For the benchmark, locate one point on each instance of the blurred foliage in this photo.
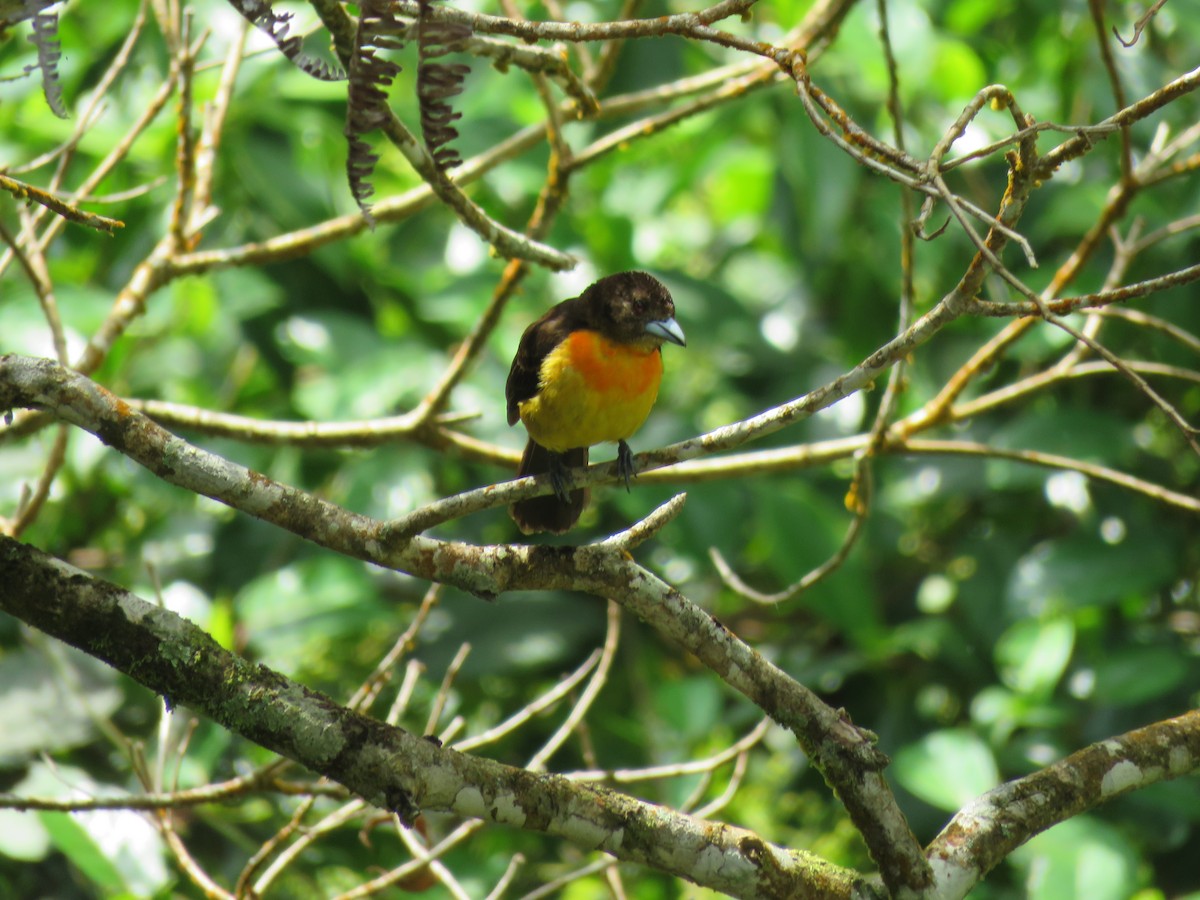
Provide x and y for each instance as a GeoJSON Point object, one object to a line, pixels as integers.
{"type": "Point", "coordinates": [993, 618]}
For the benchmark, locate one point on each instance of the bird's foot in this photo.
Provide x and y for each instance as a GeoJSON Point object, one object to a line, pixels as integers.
{"type": "Point", "coordinates": [560, 478]}
{"type": "Point", "coordinates": [625, 467]}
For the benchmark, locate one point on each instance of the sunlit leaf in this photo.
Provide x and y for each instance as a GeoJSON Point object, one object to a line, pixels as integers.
{"type": "Point", "coordinates": [53, 713]}
{"type": "Point", "coordinates": [946, 768]}
{"type": "Point", "coordinates": [1083, 857]}
{"type": "Point", "coordinates": [1033, 654]}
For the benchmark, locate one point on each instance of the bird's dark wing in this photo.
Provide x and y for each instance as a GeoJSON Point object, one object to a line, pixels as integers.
{"type": "Point", "coordinates": [538, 340]}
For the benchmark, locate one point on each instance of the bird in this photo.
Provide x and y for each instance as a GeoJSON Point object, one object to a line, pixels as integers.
{"type": "Point", "coordinates": [587, 372]}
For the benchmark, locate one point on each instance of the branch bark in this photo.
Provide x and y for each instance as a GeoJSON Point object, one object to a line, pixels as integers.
{"type": "Point", "coordinates": [980, 836]}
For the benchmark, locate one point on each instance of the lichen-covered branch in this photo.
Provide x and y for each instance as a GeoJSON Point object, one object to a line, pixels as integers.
{"type": "Point", "coordinates": [994, 825]}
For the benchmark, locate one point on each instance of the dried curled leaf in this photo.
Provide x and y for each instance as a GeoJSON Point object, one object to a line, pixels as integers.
{"type": "Point", "coordinates": [276, 26]}
{"type": "Point", "coordinates": [438, 82]}
{"type": "Point", "coordinates": [366, 105]}
{"type": "Point", "coordinates": [45, 38]}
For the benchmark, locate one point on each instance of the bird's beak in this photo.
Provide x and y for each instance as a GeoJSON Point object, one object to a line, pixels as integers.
{"type": "Point", "coordinates": [668, 330]}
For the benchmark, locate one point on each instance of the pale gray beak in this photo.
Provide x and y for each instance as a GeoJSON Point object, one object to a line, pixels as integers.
{"type": "Point", "coordinates": [668, 330]}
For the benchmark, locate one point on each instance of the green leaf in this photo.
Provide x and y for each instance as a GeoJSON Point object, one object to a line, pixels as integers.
{"type": "Point", "coordinates": [957, 70]}
{"type": "Point", "coordinates": [347, 370]}
{"type": "Point", "coordinates": [74, 842]}
{"type": "Point", "coordinates": [22, 836]}
{"type": "Point", "coordinates": [56, 695]}
{"type": "Point", "coordinates": [691, 707]}
{"type": "Point", "coordinates": [524, 633]}
{"type": "Point", "coordinates": [971, 16]}
{"type": "Point", "coordinates": [298, 614]}
{"type": "Point", "coordinates": [1089, 435]}
{"type": "Point", "coordinates": [118, 851]}
{"type": "Point", "coordinates": [738, 181]}
{"type": "Point", "coordinates": [1132, 675]}
{"type": "Point", "coordinates": [1082, 857]}
{"type": "Point", "coordinates": [1002, 712]}
{"type": "Point", "coordinates": [1032, 655]}
{"type": "Point", "coordinates": [1083, 570]}
{"type": "Point", "coordinates": [947, 769]}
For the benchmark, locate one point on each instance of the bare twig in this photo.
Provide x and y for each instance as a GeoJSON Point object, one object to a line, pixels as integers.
{"type": "Point", "coordinates": [572, 32]}
{"type": "Point", "coordinates": [71, 213]}
{"type": "Point", "coordinates": [734, 582]}
{"type": "Point", "coordinates": [1055, 461]}
{"type": "Point", "coordinates": [529, 710]}
{"type": "Point", "coordinates": [365, 696]}
{"type": "Point", "coordinates": [596, 683]}
{"type": "Point", "coordinates": [443, 691]}
{"type": "Point", "coordinates": [1096, 8]}
{"type": "Point", "coordinates": [676, 770]}
{"type": "Point", "coordinates": [28, 509]}
{"type": "Point", "coordinates": [413, 670]}
{"type": "Point", "coordinates": [1140, 24]}
{"type": "Point", "coordinates": [220, 792]}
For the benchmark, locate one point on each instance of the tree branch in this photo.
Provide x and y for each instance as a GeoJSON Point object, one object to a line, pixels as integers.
{"type": "Point", "coordinates": [387, 766]}
{"type": "Point", "coordinates": [991, 827]}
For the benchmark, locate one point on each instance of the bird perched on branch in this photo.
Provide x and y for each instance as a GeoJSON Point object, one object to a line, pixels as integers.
{"type": "Point", "coordinates": [587, 372]}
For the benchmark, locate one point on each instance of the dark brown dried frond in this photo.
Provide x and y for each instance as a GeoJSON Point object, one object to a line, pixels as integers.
{"type": "Point", "coordinates": [366, 102]}
{"type": "Point", "coordinates": [360, 166]}
{"type": "Point", "coordinates": [275, 26]}
{"type": "Point", "coordinates": [45, 38]}
{"type": "Point", "coordinates": [438, 82]}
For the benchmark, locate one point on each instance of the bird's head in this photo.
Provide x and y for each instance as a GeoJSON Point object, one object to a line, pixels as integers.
{"type": "Point", "coordinates": [634, 308]}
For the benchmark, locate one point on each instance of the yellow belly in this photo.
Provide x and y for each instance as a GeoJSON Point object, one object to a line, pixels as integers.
{"type": "Point", "coordinates": [591, 391]}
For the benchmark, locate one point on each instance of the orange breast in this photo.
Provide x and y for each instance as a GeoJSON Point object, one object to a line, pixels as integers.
{"type": "Point", "coordinates": [615, 369]}
{"type": "Point", "coordinates": [591, 390]}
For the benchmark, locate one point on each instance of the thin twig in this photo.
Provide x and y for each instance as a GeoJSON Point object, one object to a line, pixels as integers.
{"type": "Point", "coordinates": [429, 859]}
{"type": "Point", "coordinates": [596, 683]}
{"type": "Point", "coordinates": [531, 709]}
{"type": "Point", "coordinates": [33, 264]}
{"type": "Point", "coordinates": [1140, 24]}
{"type": "Point", "coordinates": [443, 692]}
{"type": "Point", "coordinates": [29, 193]}
{"type": "Point", "coordinates": [307, 836]}
{"type": "Point", "coordinates": [734, 582]}
{"type": "Point", "coordinates": [676, 770]}
{"type": "Point", "coordinates": [572, 32]}
{"type": "Point", "coordinates": [1096, 7]}
{"type": "Point", "coordinates": [362, 699]}
{"type": "Point", "coordinates": [31, 506]}
{"type": "Point", "coordinates": [1055, 461]}
{"type": "Point", "coordinates": [266, 850]}
{"type": "Point", "coordinates": [413, 670]}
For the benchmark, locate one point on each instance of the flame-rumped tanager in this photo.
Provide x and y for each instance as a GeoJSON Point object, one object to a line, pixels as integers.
{"type": "Point", "coordinates": [585, 373]}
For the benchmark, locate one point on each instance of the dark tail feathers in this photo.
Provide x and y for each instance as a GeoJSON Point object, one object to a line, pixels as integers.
{"type": "Point", "coordinates": [548, 513]}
